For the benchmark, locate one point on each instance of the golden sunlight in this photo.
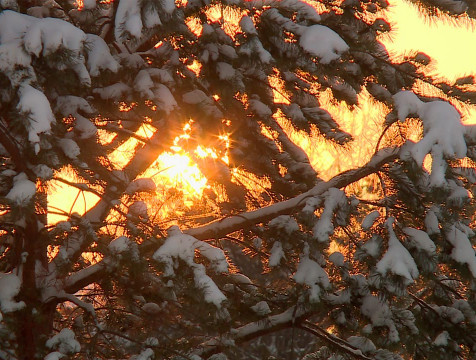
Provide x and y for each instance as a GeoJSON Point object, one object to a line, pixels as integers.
{"type": "Point", "coordinates": [177, 170]}
{"type": "Point", "coordinates": [449, 41]}
{"type": "Point", "coordinates": [442, 38]}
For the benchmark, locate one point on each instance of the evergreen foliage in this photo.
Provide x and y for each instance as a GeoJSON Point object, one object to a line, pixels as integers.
{"type": "Point", "coordinates": [294, 267]}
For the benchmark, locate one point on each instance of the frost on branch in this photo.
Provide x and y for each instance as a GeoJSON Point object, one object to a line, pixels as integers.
{"type": "Point", "coordinates": [179, 246]}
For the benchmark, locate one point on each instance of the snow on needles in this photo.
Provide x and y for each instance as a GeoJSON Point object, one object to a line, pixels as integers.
{"type": "Point", "coordinates": [463, 251]}
{"type": "Point", "coordinates": [443, 132]}
{"type": "Point", "coordinates": [320, 41]}
{"type": "Point", "coordinates": [34, 104]}
{"type": "Point", "coordinates": [182, 246]}
{"type": "Point", "coordinates": [310, 273]}
{"type": "Point", "coordinates": [9, 288]}
{"type": "Point", "coordinates": [397, 260]}
{"type": "Point", "coordinates": [23, 190]}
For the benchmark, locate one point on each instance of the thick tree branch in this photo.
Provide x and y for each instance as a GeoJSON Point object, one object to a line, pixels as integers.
{"type": "Point", "coordinates": [221, 228]}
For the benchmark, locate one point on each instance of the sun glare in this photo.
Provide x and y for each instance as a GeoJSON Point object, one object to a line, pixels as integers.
{"type": "Point", "coordinates": [178, 170]}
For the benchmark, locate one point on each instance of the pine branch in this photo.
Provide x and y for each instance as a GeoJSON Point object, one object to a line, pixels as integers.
{"type": "Point", "coordinates": [223, 227]}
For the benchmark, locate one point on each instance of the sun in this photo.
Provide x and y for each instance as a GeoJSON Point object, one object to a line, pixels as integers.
{"type": "Point", "coordinates": [177, 170]}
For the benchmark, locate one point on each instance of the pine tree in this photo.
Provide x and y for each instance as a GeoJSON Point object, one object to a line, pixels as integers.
{"type": "Point", "coordinates": [296, 268]}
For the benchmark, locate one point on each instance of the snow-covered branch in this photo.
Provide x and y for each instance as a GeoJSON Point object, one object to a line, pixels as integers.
{"type": "Point", "coordinates": [291, 317]}
{"type": "Point", "coordinates": [228, 225]}
{"type": "Point", "coordinates": [220, 228]}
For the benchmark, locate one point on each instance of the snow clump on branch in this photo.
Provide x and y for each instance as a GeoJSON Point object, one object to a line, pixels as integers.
{"type": "Point", "coordinates": [182, 246]}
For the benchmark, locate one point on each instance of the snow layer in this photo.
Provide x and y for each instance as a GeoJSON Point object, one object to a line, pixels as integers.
{"type": "Point", "coordinates": [140, 185]}
{"type": "Point", "coordinates": [23, 190]}
{"type": "Point", "coordinates": [276, 254]}
{"type": "Point", "coordinates": [324, 227]}
{"type": "Point", "coordinates": [9, 287]}
{"type": "Point", "coordinates": [128, 19]}
{"type": "Point", "coordinates": [320, 41]}
{"type": "Point", "coordinates": [99, 57]}
{"type": "Point", "coordinates": [69, 147]}
{"type": "Point", "coordinates": [247, 25]}
{"type": "Point", "coordinates": [64, 342]}
{"type": "Point", "coordinates": [379, 314]}
{"type": "Point", "coordinates": [421, 240]}
{"type": "Point", "coordinates": [261, 308]}
{"type": "Point", "coordinates": [284, 223]}
{"type": "Point", "coordinates": [362, 343]}
{"type": "Point", "coordinates": [260, 109]}
{"type": "Point", "coordinates": [370, 219]}
{"type": "Point", "coordinates": [119, 245]}
{"type": "Point", "coordinates": [310, 273]}
{"type": "Point", "coordinates": [47, 35]}
{"type": "Point", "coordinates": [34, 104]}
{"type": "Point", "coordinates": [431, 222]}
{"type": "Point", "coordinates": [443, 131]}
{"type": "Point", "coordinates": [225, 71]}
{"type": "Point", "coordinates": [181, 246]}
{"type": "Point", "coordinates": [463, 251]}
{"type": "Point", "coordinates": [397, 260]}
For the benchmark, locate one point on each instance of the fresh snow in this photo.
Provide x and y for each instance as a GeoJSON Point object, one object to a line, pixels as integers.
{"type": "Point", "coordinates": [195, 97]}
{"type": "Point", "coordinates": [23, 190]}
{"type": "Point", "coordinates": [463, 251]}
{"type": "Point", "coordinates": [442, 339]}
{"type": "Point", "coordinates": [370, 219]}
{"type": "Point", "coordinates": [421, 240]}
{"type": "Point", "coordinates": [119, 245]}
{"type": "Point", "coordinates": [259, 108]}
{"type": "Point", "coordinates": [64, 342]}
{"type": "Point", "coordinates": [276, 254]}
{"type": "Point", "coordinates": [140, 185]}
{"type": "Point", "coordinates": [225, 71]}
{"type": "Point", "coordinates": [9, 287]}
{"type": "Point", "coordinates": [69, 147]}
{"type": "Point", "coordinates": [443, 131]}
{"type": "Point", "coordinates": [284, 223]}
{"type": "Point", "coordinates": [324, 227]}
{"type": "Point", "coordinates": [431, 221]}
{"type": "Point", "coordinates": [397, 260]}
{"type": "Point", "coordinates": [34, 104]}
{"type": "Point", "coordinates": [247, 25]}
{"type": "Point", "coordinates": [164, 98]}
{"type": "Point", "coordinates": [362, 343]}
{"type": "Point", "coordinates": [128, 18]}
{"type": "Point", "coordinates": [320, 41]}
{"type": "Point", "coordinates": [372, 246]}
{"type": "Point", "coordinates": [99, 57]}
{"type": "Point", "coordinates": [261, 308]}
{"type": "Point", "coordinates": [139, 209]}
{"type": "Point", "coordinates": [379, 313]}
{"type": "Point", "coordinates": [181, 246]}
{"type": "Point", "coordinates": [310, 273]}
